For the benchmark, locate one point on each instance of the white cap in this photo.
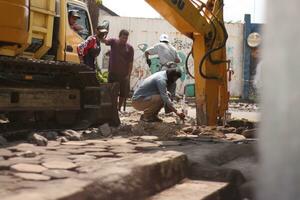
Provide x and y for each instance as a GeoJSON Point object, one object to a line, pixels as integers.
{"type": "Point", "coordinates": [164, 38]}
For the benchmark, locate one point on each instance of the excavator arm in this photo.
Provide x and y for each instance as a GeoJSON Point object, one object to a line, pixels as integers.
{"type": "Point", "coordinates": [203, 23]}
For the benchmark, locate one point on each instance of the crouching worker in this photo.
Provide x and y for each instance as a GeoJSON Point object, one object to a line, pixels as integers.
{"type": "Point", "coordinates": [152, 95]}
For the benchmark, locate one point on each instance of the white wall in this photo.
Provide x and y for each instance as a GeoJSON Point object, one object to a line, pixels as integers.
{"type": "Point", "coordinates": [147, 31]}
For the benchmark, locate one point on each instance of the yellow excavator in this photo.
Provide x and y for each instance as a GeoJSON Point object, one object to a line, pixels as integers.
{"type": "Point", "coordinates": [202, 21]}
{"type": "Point", "coordinates": [40, 74]}
{"type": "Point", "coordinates": [41, 77]}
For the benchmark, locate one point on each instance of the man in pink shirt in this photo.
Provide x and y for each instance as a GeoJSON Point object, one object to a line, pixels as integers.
{"type": "Point", "coordinates": [120, 63]}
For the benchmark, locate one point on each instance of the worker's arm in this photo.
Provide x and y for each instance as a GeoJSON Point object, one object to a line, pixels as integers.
{"type": "Point", "coordinates": [84, 47]}
{"type": "Point", "coordinates": [150, 51]}
{"type": "Point", "coordinates": [162, 87]}
{"type": "Point", "coordinates": [106, 41]}
{"type": "Point", "coordinates": [130, 65]}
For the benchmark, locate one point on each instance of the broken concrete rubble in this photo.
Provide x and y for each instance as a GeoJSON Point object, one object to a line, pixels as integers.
{"type": "Point", "coordinates": [38, 139]}
{"type": "Point", "coordinates": [72, 135]}
{"type": "Point", "coordinates": [105, 130]}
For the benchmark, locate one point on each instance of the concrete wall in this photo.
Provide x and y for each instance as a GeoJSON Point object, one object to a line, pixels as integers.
{"type": "Point", "coordinates": [145, 32]}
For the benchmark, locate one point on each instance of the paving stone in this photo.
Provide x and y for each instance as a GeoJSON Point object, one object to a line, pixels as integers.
{"type": "Point", "coordinates": [74, 143]}
{"type": "Point", "coordinates": [52, 148]}
{"type": "Point", "coordinates": [6, 153]}
{"type": "Point", "coordinates": [56, 153]}
{"type": "Point", "coordinates": [5, 164]}
{"type": "Point", "coordinates": [59, 174]}
{"type": "Point", "coordinates": [94, 149]}
{"type": "Point", "coordinates": [148, 138]}
{"type": "Point", "coordinates": [72, 135]}
{"type": "Point", "coordinates": [234, 137]}
{"type": "Point", "coordinates": [123, 150]}
{"type": "Point", "coordinates": [31, 176]}
{"type": "Point", "coordinates": [35, 149]}
{"type": "Point", "coordinates": [21, 147]}
{"type": "Point", "coordinates": [27, 154]}
{"type": "Point", "coordinates": [125, 178]}
{"type": "Point", "coordinates": [101, 154]}
{"type": "Point", "coordinates": [59, 165]}
{"type": "Point", "coordinates": [38, 139]}
{"type": "Point", "coordinates": [117, 141]}
{"type": "Point", "coordinates": [170, 143]}
{"type": "Point", "coordinates": [97, 142]}
{"type": "Point", "coordinates": [28, 168]}
{"type": "Point", "coordinates": [81, 157]}
{"type": "Point", "coordinates": [36, 160]}
{"type": "Point", "coordinates": [147, 147]}
{"type": "Point", "coordinates": [55, 159]}
{"type": "Point", "coordinates": [74, 151]}
{"type": "Point", "coordinates": [7, 179]}
{"type": "Point", "coordinates": [192, 190]}
{"type": "Point", "coordinates": [185, 137]}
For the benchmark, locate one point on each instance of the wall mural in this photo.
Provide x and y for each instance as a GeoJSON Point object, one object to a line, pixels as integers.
{"type": "Point", "coordinates": [141, 70]}
{"type": "Point", "coordinates": [186, 84]}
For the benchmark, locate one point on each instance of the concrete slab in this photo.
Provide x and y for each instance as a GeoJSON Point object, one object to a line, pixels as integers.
{"type": "Point", "coordinates": [131, 177]}
{"type": "Point", "coordinates": [192, 190]}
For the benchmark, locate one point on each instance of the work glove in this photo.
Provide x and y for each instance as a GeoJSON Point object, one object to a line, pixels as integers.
{"type": "Point", "coordinates": [148, 62]}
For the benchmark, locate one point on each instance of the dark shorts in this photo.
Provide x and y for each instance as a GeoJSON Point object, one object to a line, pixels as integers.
{"type": "Point", "coordinates": [123, 82]}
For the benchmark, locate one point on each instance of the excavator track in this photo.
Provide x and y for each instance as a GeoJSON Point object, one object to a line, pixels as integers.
{"type": "Point", "coordinates": [29, 71]}
{"type": "Point", "coordinates": [96, 100]}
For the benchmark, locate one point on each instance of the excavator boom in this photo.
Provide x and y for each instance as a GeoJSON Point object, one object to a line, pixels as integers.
{"type": "Point", "coordinates": [203, 23]}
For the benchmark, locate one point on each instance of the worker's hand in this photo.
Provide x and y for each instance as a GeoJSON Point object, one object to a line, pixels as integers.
{"type": "Point", "coordinates": [148, 62]}
{"type": "Point", "coordinates": [81, 60]}
{"type": "Point", "coordinates": [169, 94]}
{"type": "Point", "coordinates": [181, 115]}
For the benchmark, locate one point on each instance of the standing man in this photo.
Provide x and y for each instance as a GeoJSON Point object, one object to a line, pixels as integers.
{"type": "Point", "coordinates": [152, 95]}
{"type": "Point", "coordinates": [165, 51]}
{"type": "Point", "coordinates": [89, 49]}
{"type": "Point", "coordinates": [120, 63]}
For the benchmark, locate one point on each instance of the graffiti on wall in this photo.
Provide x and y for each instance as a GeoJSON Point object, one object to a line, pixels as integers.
{"type": "Point", "coordinates": [141, 70]}
{"type": "Point", "coordinates": [182, 45]}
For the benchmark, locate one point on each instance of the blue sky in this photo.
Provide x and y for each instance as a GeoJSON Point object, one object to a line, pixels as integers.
{"type": "Point", "coordinates": [234, 9]}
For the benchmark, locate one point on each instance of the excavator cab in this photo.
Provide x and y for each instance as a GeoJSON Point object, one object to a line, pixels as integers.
{"type": "Point", "coordinates": [40, 73]}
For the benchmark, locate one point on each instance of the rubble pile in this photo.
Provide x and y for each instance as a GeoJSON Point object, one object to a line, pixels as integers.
{"type": "Point", "coordinates": [169, 129]}
{"type": "Point", "coordinates": [247, 107]}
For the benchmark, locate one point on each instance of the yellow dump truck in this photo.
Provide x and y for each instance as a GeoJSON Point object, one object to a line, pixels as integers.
{"type": "Point", "coordinates": [40, 73]}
